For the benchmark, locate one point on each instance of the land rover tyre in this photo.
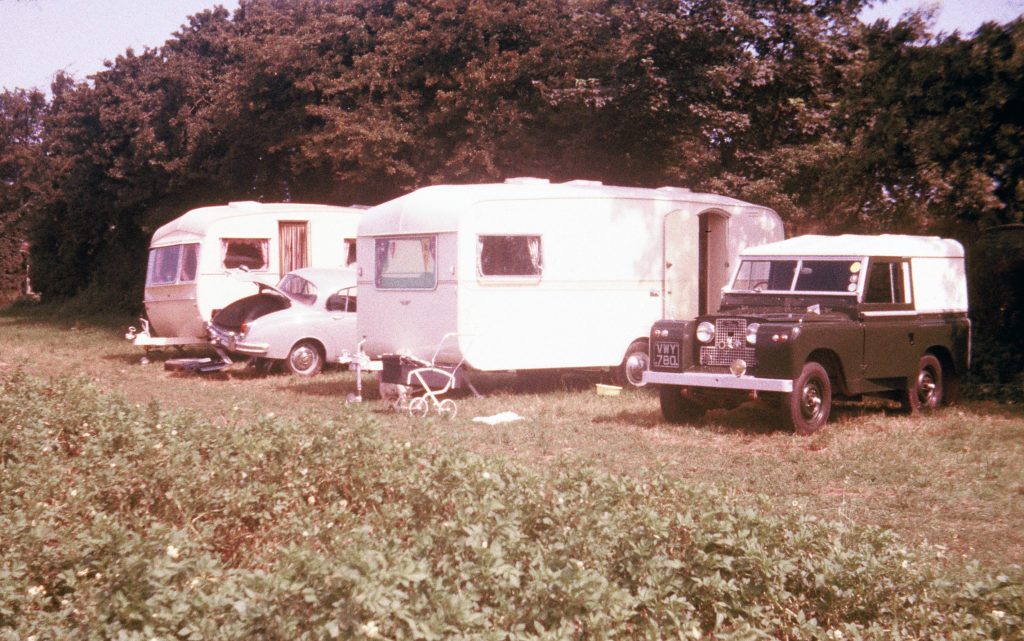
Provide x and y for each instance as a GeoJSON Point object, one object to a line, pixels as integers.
{"type": "Point", "coordinates": [305, 358]}
{"type": "Point", "coordinates": [677, 408]}
{"type": "Point", "coordinates": [924, 391]}
{"type": "Point", "coordinates": [807, 407]}
{"type": "Point", "coordinates": [631, 372]}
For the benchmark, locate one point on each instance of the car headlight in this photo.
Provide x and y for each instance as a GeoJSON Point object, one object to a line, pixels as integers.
{"type": "Point", "coordinates": [752, 333]}
{"type": "Point", "coordinates": [705, 332]}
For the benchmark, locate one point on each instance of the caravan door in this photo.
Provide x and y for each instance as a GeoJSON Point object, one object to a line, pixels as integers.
{"type": "Point", "coordinates": [713, 258]}
{"type": "Point", "coordinates": [681, 273]}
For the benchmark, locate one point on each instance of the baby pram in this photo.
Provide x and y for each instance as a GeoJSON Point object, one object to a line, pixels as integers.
{"type": "Point", "coordinates": [429, 377]}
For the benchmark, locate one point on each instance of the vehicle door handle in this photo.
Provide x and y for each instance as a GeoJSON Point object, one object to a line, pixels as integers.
{"type": "Point", "coordinates": [405, 302]}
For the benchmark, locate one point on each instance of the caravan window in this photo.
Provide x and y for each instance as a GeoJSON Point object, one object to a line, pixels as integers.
{"type": "Point", "coordinates": [509, 256]}
{"type": "Point", "coordinates": [173, 264]}
{"type": "Point", "coordinates": [245, 253]}
{"type": "Point", "coordinates": [406, 263]}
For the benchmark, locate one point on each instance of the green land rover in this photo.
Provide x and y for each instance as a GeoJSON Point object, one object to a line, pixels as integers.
{"type": "Point", "coordinates": [817, 317]}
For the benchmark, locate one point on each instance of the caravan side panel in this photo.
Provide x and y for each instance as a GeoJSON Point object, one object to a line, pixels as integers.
{"type": "Point", "coordinates": [597, 290]}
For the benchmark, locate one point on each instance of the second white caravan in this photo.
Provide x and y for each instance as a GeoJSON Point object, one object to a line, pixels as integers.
{"type": "Point", "coordinates": [530, 275]}
{"type": "Point", "coordinates": [208, 257]}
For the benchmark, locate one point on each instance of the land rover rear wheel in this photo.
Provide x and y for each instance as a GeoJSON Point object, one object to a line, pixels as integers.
{"type": "Point", "coordinates": [807, 407]}
{"type": "Point", "coordinates": [677, 408]}
{"type": "Point", "coordinates": [924, 391]}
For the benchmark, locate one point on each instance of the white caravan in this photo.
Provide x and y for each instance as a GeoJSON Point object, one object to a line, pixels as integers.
{"type": "Point", "coordinates": [210, 256]}
{"type": "Point", "coordinates": [528, 275]}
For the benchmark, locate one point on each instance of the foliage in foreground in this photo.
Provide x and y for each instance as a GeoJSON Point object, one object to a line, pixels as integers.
{"type": "Point", "coordinates": [118, 521]}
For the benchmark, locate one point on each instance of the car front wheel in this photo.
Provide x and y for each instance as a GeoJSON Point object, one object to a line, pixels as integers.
{"type": "Point", "coordinates": [807, 407]}
{"type": "Point", "coordinates": [305, 359]}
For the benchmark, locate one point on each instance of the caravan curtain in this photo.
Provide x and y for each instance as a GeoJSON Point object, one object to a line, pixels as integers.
{"type": "Point", "coordinates": [294, 246]}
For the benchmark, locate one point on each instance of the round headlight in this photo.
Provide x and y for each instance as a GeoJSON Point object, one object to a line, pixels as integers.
{"type": "Point", "coordinates": [752, 333]}
{"type": "Point", "coordinates": [705, 332]}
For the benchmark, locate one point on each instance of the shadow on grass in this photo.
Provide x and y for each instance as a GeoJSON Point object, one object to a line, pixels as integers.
{"type": "Point", "coordinates": [59, 316]}
{"type": "Point", "coordinates": [322, 386]}
{"type": "Point", "coordinates": [752, 418]}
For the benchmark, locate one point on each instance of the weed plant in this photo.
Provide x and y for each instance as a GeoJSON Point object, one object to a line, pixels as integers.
{"type": "Point", "coordinates": [120, 521]}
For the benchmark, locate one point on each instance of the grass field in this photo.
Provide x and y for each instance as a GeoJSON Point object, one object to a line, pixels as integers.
{"type": "Point", "coordinates": [953, 480]}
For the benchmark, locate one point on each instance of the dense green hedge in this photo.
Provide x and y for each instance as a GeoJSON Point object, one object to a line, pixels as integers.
{"type": "Point", "coordinates": [120, 521]}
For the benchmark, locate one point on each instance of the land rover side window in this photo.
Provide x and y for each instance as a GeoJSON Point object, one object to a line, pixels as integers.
{"type": "Point", "coordinates": [245, 253]}
{"type": "Point", "coordinates": [763, 275]}
{"type": "Point", "coordinates": [509, 255]}
{"type": "Point", "coordinates": [173, 264]}
{"type": "Point", "coordinates": [828, 276]}
{"type": "Point", "coordinates": [406, 263]}
{"type": "Point", "coordinates": [888, 282]}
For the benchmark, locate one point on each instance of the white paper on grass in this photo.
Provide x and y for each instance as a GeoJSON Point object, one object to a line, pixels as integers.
{"type": "Point", "coordinates": [503, 417]}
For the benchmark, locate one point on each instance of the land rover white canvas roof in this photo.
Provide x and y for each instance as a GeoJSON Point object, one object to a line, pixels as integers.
{"type": "Point", "coordinates": [861, 245]}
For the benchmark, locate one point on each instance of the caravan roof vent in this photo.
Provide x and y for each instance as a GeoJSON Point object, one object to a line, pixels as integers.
{"type": "Point", "coordinates": [526, 180]}
{"type": "Point", "coordinates": [585, 183]}
{"type": "Point", "coordinates": [679, 189]}
{"type": "Point", "coordinates": [245, 204]}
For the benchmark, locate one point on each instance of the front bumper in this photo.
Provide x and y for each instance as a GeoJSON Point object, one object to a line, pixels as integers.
{"type": "Point", "coordinates": [723, 380]}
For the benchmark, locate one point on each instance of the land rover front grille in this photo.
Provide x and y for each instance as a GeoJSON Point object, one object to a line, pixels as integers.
{"type": "Point", "coordinates": [729, 344]}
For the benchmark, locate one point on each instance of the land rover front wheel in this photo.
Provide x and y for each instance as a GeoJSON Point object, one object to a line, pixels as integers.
{"type": "Point", "coordinates": [305, 359]}
{"type": "Point", "coordinates": [677, 408]}
{"type": "Point", "coordinates": [924, 391]}
{"type": "Point", "coordinates": [807, 407]}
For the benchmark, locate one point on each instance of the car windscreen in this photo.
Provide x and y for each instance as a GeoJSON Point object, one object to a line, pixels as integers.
{"type": "Point", "coordinates": [818, 276]}
{"type": "Point", "coordinates": [298, 288]}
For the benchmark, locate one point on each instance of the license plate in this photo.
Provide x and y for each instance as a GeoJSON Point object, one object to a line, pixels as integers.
{"type": "Point", "coordinates": [666, 354]}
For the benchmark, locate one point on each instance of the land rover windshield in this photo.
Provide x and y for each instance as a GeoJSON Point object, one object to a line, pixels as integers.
{"type": "Point", "coordinates": [798, 276]}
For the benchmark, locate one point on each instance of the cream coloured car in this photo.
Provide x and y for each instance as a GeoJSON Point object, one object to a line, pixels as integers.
{"type": "Point", "coordinates": [306, 320]}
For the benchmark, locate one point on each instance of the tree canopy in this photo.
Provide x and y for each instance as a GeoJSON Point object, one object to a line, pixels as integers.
{"type": "Point", "coordinates": [794, 104]}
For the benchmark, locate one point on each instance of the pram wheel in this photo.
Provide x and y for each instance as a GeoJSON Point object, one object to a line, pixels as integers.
{"type": "Point", "coordinates": [419, 407]}
{"type": "Point", "coordinates": [447, 409]}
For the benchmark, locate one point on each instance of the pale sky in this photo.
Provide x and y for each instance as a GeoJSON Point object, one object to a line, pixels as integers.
{"type": "Point", "coordinates": [41, 37]}
{"type": "Point", "coordinates": [952, 15]}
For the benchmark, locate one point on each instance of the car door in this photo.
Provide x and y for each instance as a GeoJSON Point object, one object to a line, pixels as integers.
{"type": "Point", "coordinates": [340, 332]}
{"type": "Point", "coordinates": [888, 318]}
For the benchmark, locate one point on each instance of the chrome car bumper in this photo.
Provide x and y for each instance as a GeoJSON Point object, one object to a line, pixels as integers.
{"type": "Point", "coordinates": [229, 341]}
{"type": "Point", "coordinates": [721, 380]}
